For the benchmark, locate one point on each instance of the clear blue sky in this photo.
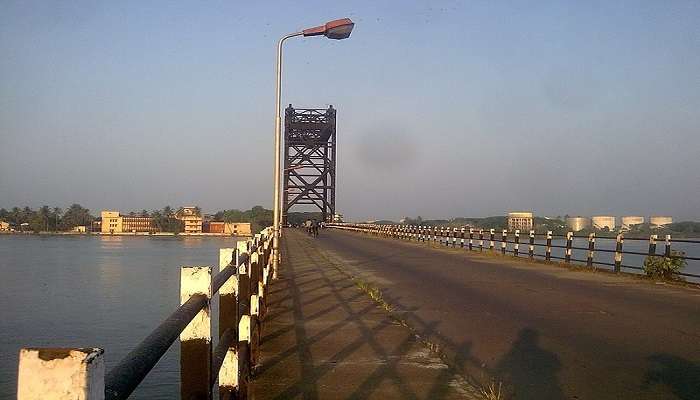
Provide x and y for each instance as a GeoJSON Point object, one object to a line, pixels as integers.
{"type": "Point", "coordinates": [444, 108]}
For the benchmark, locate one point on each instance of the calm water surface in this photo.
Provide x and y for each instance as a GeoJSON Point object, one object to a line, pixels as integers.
{"type": "Point", "coordinates": [99, 291]}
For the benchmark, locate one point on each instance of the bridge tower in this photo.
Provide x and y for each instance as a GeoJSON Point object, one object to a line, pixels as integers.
{"type": "Point", "coordinates": [309, 160]}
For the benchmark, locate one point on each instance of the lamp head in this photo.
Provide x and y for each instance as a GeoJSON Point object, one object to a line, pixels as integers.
{"type": "Point", "coordinates": [337, 29]}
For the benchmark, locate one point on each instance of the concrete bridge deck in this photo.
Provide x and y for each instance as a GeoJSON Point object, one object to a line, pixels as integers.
{"type": "Point", "coordinates": [325, 338]}
{"type": "Point", "coordinates": [546, 332]}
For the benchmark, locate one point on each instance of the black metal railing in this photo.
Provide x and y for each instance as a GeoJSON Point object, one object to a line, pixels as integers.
{"type": "Point", "coordinates": [510, 243]}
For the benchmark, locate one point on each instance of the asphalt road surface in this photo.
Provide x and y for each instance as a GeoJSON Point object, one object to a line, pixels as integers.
{"type": "Point", "coordinates": [544, 331]}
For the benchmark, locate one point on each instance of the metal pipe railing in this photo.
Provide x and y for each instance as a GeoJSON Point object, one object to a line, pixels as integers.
{"type": "Point", "coordinates": [441, 235]}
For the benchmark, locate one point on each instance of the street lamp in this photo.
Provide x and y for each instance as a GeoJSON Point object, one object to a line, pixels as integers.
{"type": "Point", "coordinates": [338, 29]}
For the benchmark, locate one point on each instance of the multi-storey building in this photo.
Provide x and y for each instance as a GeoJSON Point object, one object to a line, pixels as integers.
{"type": "Point", "coordinates": [137, 224]}
{"type": "Point", "coordinates": [191, 218]}
{"type": "Point", "coordinates": [113, 222]}
{"type": "Point", "coordinates": [520, 220]}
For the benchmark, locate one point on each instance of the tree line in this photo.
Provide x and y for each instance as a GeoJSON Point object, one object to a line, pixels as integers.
{"type": "Point", "coordinates": [46, 218]}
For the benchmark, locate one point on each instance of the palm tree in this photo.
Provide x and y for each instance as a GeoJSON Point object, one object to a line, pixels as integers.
{"type": "Point", "coordinates": [45, 213]}
{"type": "Point", "coordinates": [56, 217]}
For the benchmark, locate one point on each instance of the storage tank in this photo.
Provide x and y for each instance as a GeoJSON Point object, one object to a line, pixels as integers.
{"type": "Point", "coordinates": [660, 221]}
{"type": "Point", "coordinates": [578, 223]}
{"type": "Point", "coordinates": [630, 220]}
{"type": "Point", "coordinates": [603, 221]}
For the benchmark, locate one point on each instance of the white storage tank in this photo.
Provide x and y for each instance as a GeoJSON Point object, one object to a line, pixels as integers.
{"type": "Point", "coordinates": [631, 220]}
{"type": "Point", "coordinates": [660, 221]}
{"type": "Point", "coordinates": [603, 221]}
{"type": "Point", "coordinates": [576, 224]}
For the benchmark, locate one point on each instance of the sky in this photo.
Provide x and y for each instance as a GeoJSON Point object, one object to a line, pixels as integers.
{"type": "Point", "coordinates": [445, 108]}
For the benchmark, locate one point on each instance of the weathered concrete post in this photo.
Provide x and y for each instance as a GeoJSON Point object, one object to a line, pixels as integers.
{"type": "Point", "coordinates": [254, 306]}
{"type": "Point", "coordinates": [195, 347]}
{"type": "Point", "coordinates": [461, 243]}
{"type": "Point", "coordinates": [516, 245]}
{"type": "Point", "coordinates": [548, 251]}
{"type": "Point", "coordinates": [667, 251]}
{"type": "Point", "coordinates": [591, 249]}
{"type": "Point", "coordinates": [481, 240]}
{"type": "Point", "coordinates": [471, 239]}
{"type": "Point", "coordinates": [618, 252]}
{"type": "Point", "coordinates": [569, 243]}
{"type": "Point", "coordinates": [61, 373]}
{"type": "Point", "coordinates": [228, 320]}
{"type": "Point", "coordinates": [531, 246]}
{"type": "Point", "coordinates": [244, 326]}
{"type": "Point", "coordinates": [504, 241]}
{"type": "Point", "coordinates": [652, 244]}
{"type": "Point", "coordinates": [491, 236]}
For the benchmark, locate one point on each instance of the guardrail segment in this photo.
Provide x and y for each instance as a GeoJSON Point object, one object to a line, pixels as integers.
{"type": "Point", "coordinates": [442, 235]}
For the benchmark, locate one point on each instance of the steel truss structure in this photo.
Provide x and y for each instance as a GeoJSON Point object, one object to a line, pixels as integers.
{"type": "Point", "coordinates": [309, 160]}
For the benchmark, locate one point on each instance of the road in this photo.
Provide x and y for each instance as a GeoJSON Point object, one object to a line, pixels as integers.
{"type": "Point", "coordinates": [544, 331]}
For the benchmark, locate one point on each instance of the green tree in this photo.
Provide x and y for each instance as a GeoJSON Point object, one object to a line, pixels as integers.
{"type": "Point", "coordinates": [76, 215]}
{"type": "Point", "coordinates": [56, 218]}
{"type": "Point", "coordinates": [45, 216]}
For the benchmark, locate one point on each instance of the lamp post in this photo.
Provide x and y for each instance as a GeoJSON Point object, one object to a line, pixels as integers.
{"type": "Point", "coordinates": [338, 29]}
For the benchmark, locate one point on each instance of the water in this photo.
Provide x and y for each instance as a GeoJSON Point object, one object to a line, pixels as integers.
{"type": "Point", "coordinates": [94, 291]}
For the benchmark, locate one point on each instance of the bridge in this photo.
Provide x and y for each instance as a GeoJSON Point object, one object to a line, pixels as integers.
{"type": "Point", "coordinates": [407, 312]}
{"type": "Point", "coordinates": [367, 311]}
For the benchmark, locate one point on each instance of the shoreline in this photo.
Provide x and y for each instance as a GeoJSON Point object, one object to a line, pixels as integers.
{"type": "Point", "coordinates": [137, 234]}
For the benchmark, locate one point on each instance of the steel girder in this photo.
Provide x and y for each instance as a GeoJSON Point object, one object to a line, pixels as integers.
{"type": "Point", "coordinates": [309, 160]}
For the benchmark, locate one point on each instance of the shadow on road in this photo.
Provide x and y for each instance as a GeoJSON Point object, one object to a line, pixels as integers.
{"type": "Point", "coordinates": [530, 370]}
{"type": "Point", "coordinates": [681, 376]}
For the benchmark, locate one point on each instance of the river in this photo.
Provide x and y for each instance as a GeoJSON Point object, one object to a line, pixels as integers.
{"type": "Point", "coordinates": [94, 291]}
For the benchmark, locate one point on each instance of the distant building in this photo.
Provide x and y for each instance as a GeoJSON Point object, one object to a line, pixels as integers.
{"type": "Point", "coordinates": [191, 218]}
{"type": "Point", "coordinates": [659, 221]}
{"type": "Point", "coordinates": [521, 220]}
{"type": "Point", "coordinates": [227, 228]}
{"type": "Point", "coordinates": [576, 224]}
{"type": "Point", "coordinates": [627, 222]}
{"type": "Point", "coordinates": [4, 226]}
{"type": "Point", "coordinates": [603, 221]}
{"type": "Point", "coordinates": [337, 218]}
{"type": "Point", "coordinates": [113, 222]}
{"type": "Point", "coordinates": [138, 224]}
{"type": "Point", "coordinates": [80, 229]}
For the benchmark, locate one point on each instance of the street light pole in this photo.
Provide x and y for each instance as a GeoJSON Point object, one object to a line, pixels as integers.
{"type": "Point", "coordinates": [338, 29]}
{"type": "Point", "coordinates": [278, 139]}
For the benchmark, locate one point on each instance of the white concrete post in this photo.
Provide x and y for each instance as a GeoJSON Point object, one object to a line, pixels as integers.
{"type": "Point", "coordinates": [504, 238]}
{"type": "Point", "coordinates": [57, 374]}
{"type": "Point", "coordinates": [195, 347]}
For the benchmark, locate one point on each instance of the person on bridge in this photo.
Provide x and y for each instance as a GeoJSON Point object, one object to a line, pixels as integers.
{"type": "Point", "coordinates": [314, 228]}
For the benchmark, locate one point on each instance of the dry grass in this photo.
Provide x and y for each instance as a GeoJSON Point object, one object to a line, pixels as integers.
{"type": "Point", "coordinates": [493, 392]}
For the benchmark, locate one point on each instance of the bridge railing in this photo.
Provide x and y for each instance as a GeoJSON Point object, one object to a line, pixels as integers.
{"type": "Point", "coordinates": [241, 283]}
{"type": "Point", "coordinates": [508, 242]}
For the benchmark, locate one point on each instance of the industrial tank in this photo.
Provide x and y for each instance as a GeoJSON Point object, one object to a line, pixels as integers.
{"type": "Point", "coordinates": [576, 224]}
{"type": "Point", "coordinates": [603, 221]}
{"type": "Point", "coordinates": [659, 221]}
{"type": "Point", "coordinates": [628, 221]}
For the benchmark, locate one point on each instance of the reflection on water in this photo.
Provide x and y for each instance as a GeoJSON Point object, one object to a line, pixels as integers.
{"type": "Point", "coordinates": [104, 291]}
